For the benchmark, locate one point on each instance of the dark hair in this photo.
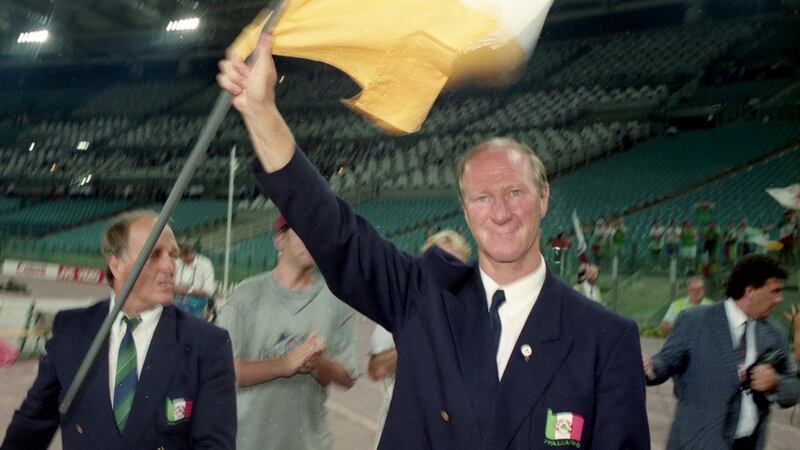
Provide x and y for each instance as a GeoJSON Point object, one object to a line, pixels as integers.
{"type": "Point", "coordinates": [753, 270]}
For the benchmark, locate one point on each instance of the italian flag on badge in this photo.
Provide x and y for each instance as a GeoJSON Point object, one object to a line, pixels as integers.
{"type": "Point", "coordinates": [563, 425]}
{"type": "Point", "coordinates": [178, 409]}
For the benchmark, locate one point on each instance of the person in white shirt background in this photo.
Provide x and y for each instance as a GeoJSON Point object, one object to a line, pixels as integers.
{"type": "Point", "coordinates": [194, 273]}
{"type": "Point", "coordinates": [587, 282]}
{"type": "Point", "coordinates": [194, 280]}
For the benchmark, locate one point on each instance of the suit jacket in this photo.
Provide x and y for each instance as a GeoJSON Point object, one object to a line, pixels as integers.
{"type": "Point", "coordinates": [187, 359]}
{"type": "Point", "coordinates": [585, 360]}
{"type": "Point", "coordinates": [699, 354]}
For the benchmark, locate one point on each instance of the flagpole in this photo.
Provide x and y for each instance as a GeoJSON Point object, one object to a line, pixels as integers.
{"type": "Point", "coordinates": [232, 175]}
{"type": "Point", "coordinates": [215, 118]}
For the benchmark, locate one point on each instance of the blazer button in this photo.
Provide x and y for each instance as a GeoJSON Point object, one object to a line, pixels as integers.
{"type": "Point", "coordinates": [79, 428]}
{"type": "Point", "coordinates": [445, 416]}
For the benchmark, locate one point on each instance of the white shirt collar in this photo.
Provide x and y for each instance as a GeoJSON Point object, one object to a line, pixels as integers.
{"type": "Point", "coordinates": [736, 317]}
{"type": "Point", "coordinates": [148, 316]}
{"type": "Point", "coordinates": [516, 290]}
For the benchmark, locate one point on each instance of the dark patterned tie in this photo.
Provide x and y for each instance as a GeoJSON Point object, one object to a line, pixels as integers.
{"type": "Point", "coordinates": [741, 353]}
{"type": "Point", "coordinates": [126, 378]}
{"type": "Point", "coordinates": [498, 299]}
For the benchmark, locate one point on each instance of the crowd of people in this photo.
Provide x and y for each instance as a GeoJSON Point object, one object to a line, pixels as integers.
{"type": "Point", "coordinates": [698, 246]}
{"type": "Point", "coordinates": [495, 353]}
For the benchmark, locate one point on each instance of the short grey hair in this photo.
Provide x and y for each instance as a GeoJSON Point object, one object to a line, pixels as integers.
{"type": "Point", "coordinates": [501, 143]}
{"type": "Point", "coordinates": [115, 238]}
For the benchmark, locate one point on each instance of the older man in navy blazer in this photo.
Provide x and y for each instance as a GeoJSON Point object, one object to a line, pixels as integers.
{"type": "Point", "coordinates": [494, 355]}
{"type": "Point", "coordinates": [729, 363]}
{"type": "Point", "coordinates": [163, 379]}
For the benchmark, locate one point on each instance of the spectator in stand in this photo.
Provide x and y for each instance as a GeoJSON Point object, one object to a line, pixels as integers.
{"type": "Point", "coordinates": [704, 213]}
{"type": "Point", "coordinates": [599, 239]}
{"type": "Point", "coordinates": [729, 244]}
{"type": "Point", "coordinates": [743, 247]}
{"type": "Point", "coordinates": [560, 244]}
{"type": "Point", "coordinates": [672, 239]}
{"type": "Point", "coordinates": [689, 246]}
{"type": "Point", "coordinates": [711, 238]}
{"type": "Point", "coordinates": [618, 236]}
{"type": "Point", "coordinates": [656, 243]}
{"type": "Point", "coordinates": [587, 282]}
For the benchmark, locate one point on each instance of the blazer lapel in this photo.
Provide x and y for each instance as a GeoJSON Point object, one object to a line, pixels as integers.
{"type": "Point", "coordinates": [524, 382]}
{"type": "Point", "coordinates": [468, 318]}
{"type": "Point", "coordinates": [722, 334]}
{"type": "Point", "coordinates": [163, 359]}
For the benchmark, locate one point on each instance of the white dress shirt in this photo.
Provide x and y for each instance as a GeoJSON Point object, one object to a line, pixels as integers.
{"type": "Point", "coordinates": [520, 298]}
{"type": "Point", "coordinates": [748, 413]}
{"type": "Point", "coordinates": [142, 335]}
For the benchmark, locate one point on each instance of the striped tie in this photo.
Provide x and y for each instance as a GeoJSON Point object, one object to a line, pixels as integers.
{"type": "Point", "coordinates": [126, 378]}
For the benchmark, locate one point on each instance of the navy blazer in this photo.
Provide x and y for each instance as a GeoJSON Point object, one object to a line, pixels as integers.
{"type": "Point", "coordinates": [699, 354]}
{"type": "Point", "coordinates": [585, 360]}
{"type": "Point", "coordinates": [187, 359]}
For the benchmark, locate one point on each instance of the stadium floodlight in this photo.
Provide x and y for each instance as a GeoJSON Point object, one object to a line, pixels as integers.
{"type": "Point", "coordinates": [82, 145]}
{"type": "Point", "coordinates": [33, 37]}
{"type": "Point", "coordinates": [184, 24]}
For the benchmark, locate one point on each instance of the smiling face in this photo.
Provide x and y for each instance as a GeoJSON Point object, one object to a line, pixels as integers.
{"type": "Point", "coordinates": [503, 208]}
{"type": "Point", "coordinates": [156, 282]}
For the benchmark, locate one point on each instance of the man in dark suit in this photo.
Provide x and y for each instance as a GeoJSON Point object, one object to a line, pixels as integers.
{"type": "Point", "coordinates": [163, 379]}
{"type": "Point", "coordinates": [494, 355]}
{"type": "Point", "coordinates": [729, 363]}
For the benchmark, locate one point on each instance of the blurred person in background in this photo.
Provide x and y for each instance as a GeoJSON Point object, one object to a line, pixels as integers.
{"type": "Point", "coordinates": [588, 274]}
{"type": "Point", "coordinates": [729, 363]}
{"type": "Point", "coordinates": [382, 352]}
{"type": "Point", "coordinates": [656, 243]}
{"type": "Point", "coordinates": [194, 280]}
{"type": "Point", "coordinates": [291, 339]}
{"type": "Point", "coordinates": [695, 296]}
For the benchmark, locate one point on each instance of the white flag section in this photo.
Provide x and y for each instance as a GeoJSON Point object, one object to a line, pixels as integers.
{"type": "Point", "coordinates": [576, 223]}
{"type": "Point", "coordinates": [788, 197]}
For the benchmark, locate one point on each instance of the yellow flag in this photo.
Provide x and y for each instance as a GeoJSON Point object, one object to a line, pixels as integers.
{"type": "Point", "coordinates": [402, 53]}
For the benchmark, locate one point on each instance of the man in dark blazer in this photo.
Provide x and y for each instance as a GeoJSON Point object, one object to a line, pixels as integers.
{"type": "Point", "coordinates": [543, 367]}
{"type": "Point", "coordinates": [729, 363]}
{"type": "Point", "coordinates": [182, 391]}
